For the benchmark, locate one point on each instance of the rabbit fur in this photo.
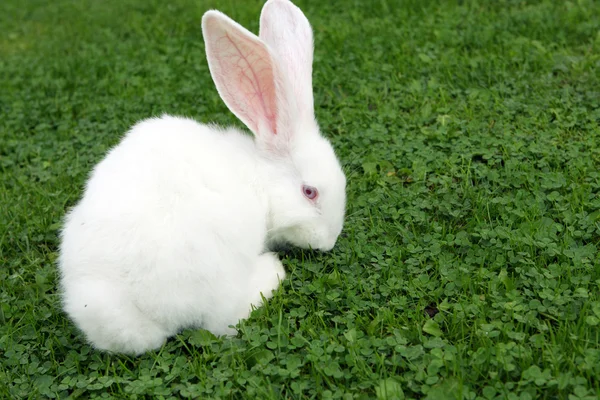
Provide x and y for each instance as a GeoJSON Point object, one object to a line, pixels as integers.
{"type": "Point", "coordinates": [176, 225]}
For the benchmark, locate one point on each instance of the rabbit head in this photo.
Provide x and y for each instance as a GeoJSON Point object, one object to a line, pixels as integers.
{"type": "Point", "coordinates": [266, 82]}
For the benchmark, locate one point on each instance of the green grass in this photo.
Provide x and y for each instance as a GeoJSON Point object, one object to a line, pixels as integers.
{"type": "Point", "coordinates": [468, 267]}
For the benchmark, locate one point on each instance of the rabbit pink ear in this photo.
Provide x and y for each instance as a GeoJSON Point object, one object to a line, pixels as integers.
{"type": "Point", "coordinates": [243, 71]}
{"type": "Point", "coordinates": [287, 32]}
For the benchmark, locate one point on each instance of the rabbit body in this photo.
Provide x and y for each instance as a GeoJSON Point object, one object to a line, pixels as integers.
{"type": "Point", "coordinates": [163, 245]}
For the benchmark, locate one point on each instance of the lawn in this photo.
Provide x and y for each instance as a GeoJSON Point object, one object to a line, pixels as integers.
{"type": "Point", "coordinates": [468, 266]}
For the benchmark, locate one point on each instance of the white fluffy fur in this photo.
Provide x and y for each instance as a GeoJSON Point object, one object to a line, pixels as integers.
{"type": "Point", "coordinates": [175, 224]}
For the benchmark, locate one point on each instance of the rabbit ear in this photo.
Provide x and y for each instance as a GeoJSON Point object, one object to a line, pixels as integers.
{"type": "Point", "coordinates": [287, 32]}
{"type": "Point", "coordinates": [243, 71]}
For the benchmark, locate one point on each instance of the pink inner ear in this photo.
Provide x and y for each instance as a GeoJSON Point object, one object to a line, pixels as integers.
{"type": "Point", "coordinates": [246, 80]}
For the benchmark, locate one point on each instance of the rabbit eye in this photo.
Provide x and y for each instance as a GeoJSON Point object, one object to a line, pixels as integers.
{"type": "Point", "coordinates": [310, 192]}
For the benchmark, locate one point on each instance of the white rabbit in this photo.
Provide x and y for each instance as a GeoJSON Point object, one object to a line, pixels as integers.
{"type": "Point", "coordinates": [175, 224]}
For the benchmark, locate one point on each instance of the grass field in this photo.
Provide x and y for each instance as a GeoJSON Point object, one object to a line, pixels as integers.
{"type": "Point", "coordinates": [468, 267]}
